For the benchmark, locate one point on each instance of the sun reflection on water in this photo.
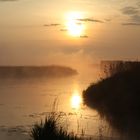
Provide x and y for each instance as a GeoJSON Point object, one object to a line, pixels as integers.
{"type": "Point", "coordinates": [76, 100]}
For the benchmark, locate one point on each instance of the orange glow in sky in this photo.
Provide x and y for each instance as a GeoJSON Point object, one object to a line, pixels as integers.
{"type": "Point", "coordinates": [75, 28]}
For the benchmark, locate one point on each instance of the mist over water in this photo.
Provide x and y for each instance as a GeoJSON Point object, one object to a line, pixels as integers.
{"type": "Point", "coordinates": [25, 101]}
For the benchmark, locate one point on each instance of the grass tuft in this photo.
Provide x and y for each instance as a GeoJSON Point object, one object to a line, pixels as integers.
{"type": "Point", "coordinates": [51, 130]}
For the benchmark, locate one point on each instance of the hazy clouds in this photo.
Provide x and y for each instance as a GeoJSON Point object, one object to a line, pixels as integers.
{"type": "Point", "coordinates": [130, 10]}
{"type": "Point", "coordinates": [35, 32]}
{"type": "Point", "coordinates": [133, 14]}
{"type": "Point", "coordinates": [52, 24]}
{"type": "Point", "coordinates": [136, 24]}
{"type": "Point", "coordinates": [90, 20]}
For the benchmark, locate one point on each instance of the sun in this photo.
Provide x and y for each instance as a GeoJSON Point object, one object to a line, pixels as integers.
{"type": "Point", "coordinates": [76, 100]}
{"type": "Point", "coordinates": [74, 27]}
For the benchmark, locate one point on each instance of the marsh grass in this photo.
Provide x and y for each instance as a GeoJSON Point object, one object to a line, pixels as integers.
{"type": "Point", "coordinates": [51, 129]}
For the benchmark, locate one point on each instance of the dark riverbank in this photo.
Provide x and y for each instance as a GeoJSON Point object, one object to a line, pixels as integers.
{"type": "Point", "coordinates": [117, 99]}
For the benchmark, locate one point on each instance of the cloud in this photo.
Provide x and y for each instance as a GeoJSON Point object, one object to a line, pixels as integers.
{"type": "Point", "coordinates": [108, 20]}
{"type": "Point", "coordinates": [83, 36]}
{"type": "Point", "coordinates": [131, 24]}
{"type": "Point", "coordinates": [90, 20]}
{"type": "Point", "coordinates": [133, 14]}
{"type": "Point", "coordinates": [130, 10]}
{"type": "Point", "coordinates": [136, 18]}
{"type": "Point", "coordinates": [53, 24]}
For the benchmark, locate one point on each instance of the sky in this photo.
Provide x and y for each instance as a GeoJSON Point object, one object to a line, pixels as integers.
{"type": "Point", "coordinates": [68, 32]}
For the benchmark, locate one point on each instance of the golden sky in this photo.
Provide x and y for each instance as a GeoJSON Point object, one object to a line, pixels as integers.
{"type": "Point", "coordinates": [68, 32]}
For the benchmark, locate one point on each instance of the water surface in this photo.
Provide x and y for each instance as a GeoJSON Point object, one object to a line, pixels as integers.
{"type": "Point", "coordinates": [24, 102]}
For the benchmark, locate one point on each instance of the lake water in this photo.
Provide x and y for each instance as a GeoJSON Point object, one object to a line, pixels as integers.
{"type": "Point", "coordinates": [23, 102]}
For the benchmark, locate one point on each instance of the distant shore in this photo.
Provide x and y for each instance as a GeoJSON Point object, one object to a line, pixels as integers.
{"type": "Point", "coordinates": [36, 71]}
